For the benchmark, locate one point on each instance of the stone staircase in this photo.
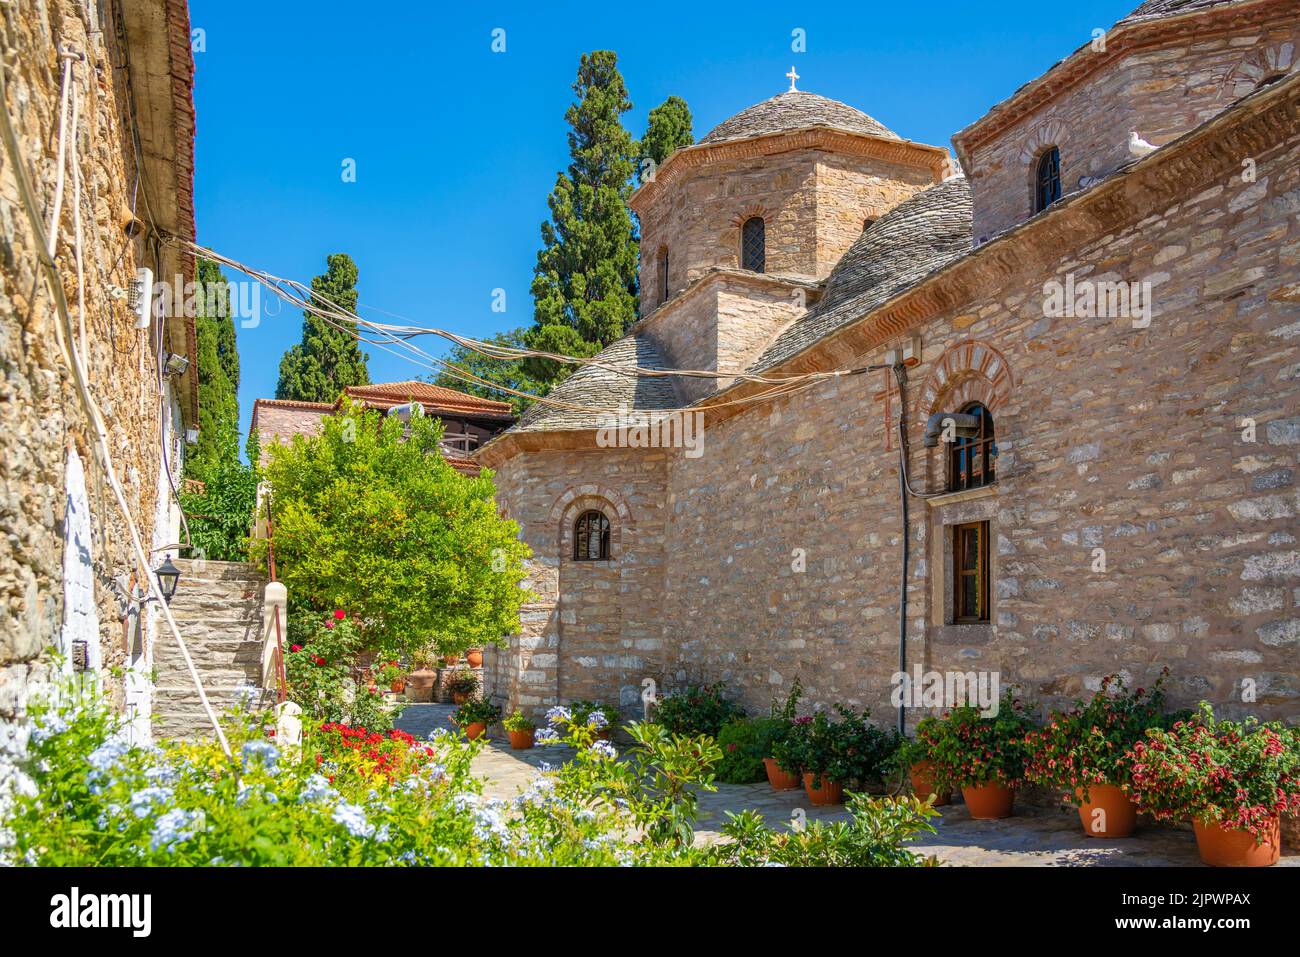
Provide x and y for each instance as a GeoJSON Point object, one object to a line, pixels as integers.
{"type": "Point", "coordinates": [219, 612]}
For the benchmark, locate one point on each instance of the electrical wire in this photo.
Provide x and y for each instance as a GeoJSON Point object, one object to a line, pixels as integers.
{"type": "Point", "coordinates": [103, 455]}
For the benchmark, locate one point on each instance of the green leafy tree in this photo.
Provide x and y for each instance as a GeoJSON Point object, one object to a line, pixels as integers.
{"type": "Point", "coordinates": [328, 359]}
{"type": "Point", "coordinates": [512, 373]}
{"type": "Point", "coordinates": [218, 371]}
{"type": "Point", "coordinates": [370, 518]}
{"type": "Point", "coordinates": [221, 514]}
{"type": "Point", "coordinates": [668, 128]}
{"type": "Point", "coordinates": [585, 282]}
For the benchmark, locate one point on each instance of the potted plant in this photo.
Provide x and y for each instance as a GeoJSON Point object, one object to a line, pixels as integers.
{"type": "Point", "coordinates": [521, 731]}
{"type": "Point", "coordinates": [1233, 779]}
{"type": "Point", "coordinates": [462, 685]}
{"type": "Point", "coordinates": [768, 733]}
{"type": "Point", "coordinates": [474, 656]}
{"type": "Point", "coordinates": [390, 677]}
{"type": "Point", "coordinates": [450, 659]}
{"type": "Point", "coordinates": [1085, 752]}
{"type": "Point", "coordinates": [419, 683]}
{"type": "Point", "coordinates": [913, 760]}
{"type": "Point", "coordinates": [984, 755]}
{"type": "Point", "coordinates": [474, 717]}
{"type": "Point", "coordinates": [788, 754]}
{"type": "Point", "coordinates": [603, 716]}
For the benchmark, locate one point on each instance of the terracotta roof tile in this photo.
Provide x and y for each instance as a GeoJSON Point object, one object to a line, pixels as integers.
{"type": "Point", "coordinates": [433, 397]}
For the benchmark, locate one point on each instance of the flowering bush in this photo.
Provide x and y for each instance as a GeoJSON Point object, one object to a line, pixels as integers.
{"type": "Point", "coordinates": [697, 711]}
{"type": "Point", "coordinates": [582, 712]}
{"type": "Point", "coordinates": [1241, 775]}
{"type": "Point", "coordinates": [462, 681]}
{"type": "Point", "coordinates": [1089, 744]}
{"type": "Point", "coordinates": [319, 664]}
{"type": "Point", "coordinates": [372, 757]}
{"type": "Point", "coordinates": [969, 749]}
{"type": "Point", "coordinates": [744, 744]}
{"type": "Point", "coordinates": [873, 837]}
{"type": "Point", "coordinates": [850, 751]}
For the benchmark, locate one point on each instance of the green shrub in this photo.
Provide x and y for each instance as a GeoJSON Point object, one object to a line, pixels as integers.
{"type": "Point", "coordinates": [320, 666]}
{"type": "Point", "coordinates": [695, 711]}
{"type": "Point", "coordinates": [744, 744]}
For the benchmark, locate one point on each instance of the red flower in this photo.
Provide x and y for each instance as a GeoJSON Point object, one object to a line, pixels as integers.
{"type": "Point", "coordinates": [295, 647]}
{"type": "Point", "coordinates": [339, 614]}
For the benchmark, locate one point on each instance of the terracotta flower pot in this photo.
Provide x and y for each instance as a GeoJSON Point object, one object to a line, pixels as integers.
{"type": "Point", "coordinates": [830, 792]}
{"type": "Point", "coordinates": [988, 802]}
{"type": "Point", "coordinates": [450, 659]}
{"type": "Point", "coordinates": [475, 658]}
{"type": "Point", "coordinates": [1221, 847]}
{"type": "Point", "coordinates": [474, 729]}
{"type": "Point", "coordinates": [780, 780]}
{"type": "Point", "coordinates": [521, 740]}
{"type": "Point", "coordinates": [923, 783]}
{"type": "Point", "coordinates": [397, 687]}
{"type": "Point", "coordinates": [419, 686]}
{"type": "Point", "coordinates": [1108, 812]}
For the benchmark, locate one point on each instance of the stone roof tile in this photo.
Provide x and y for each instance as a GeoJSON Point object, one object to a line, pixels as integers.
{"type": "Point", "coordinates": [795, 110]}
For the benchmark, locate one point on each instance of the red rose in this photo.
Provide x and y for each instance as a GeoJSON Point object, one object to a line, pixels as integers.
{"type": "Point", "coordinates": [295, 647]}
{"type": "Point", "coordinates": [339, 614]}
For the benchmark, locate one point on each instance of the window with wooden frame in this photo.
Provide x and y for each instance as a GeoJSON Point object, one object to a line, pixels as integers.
{"type": "Point", "coordinates": [1047, 179]}
{"type": "Point", "coordinates": [970, 573]}
{"type": "Point", "coordinates": [591, 537]}
{"type": "Point", "coordinates": [971, 459]}
{"type": "Point", "coordinates": [753, 245]}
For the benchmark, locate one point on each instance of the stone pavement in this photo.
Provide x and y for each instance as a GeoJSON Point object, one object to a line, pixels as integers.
{"type": "Point", "coordinates": [1033, 837]}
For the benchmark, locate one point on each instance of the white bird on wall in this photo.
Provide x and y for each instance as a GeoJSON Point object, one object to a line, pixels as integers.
{"type": "Point", "coordinates": [1137, 146]}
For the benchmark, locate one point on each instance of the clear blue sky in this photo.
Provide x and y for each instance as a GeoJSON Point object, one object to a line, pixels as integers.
{"type": "Point", "coordinates": [456, 147]}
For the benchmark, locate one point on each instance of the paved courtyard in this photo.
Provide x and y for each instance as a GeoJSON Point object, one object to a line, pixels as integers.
{"type": "Point", "coordinates": [1035, 836]}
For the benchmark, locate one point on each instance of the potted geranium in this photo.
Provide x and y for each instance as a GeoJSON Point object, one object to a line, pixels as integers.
{"type": "Point", "coordinates": [1235, 780]}
{"type": "Point", "coordinates": [984, 755]}
{"type": "Point", "coordinates": [1085, 752]}
{"type": "Point", "coordinates": [474, 717]}
{"type": "Point", "coordinates": [913, 759]}
{"type": "Point", "coordinates": [521, 731]}
{"type": "Point", "coordinates": [777, 728]}
{"type": "Point", "coordinates": [461, 685]}
{"type": "Point", "coordinates": [390, 677]}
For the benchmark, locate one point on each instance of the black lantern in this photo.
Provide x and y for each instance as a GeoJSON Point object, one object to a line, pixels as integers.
{"type": "Point", "coordinates": [168, 575]}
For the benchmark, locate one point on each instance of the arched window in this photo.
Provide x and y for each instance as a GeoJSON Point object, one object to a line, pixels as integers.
{"type": "Point", "coordinates": [753, 251]}
{"type": "Point", "coordinates": [866, 223]}
{"type": "Point", "coordinates": [1047, 181]}
{"type": "Point", "coordinates": [663, 274]}
{"type": "Point", "coordinates": [591, 537]}
{"type": "Point", "coordinates": [971, 458]}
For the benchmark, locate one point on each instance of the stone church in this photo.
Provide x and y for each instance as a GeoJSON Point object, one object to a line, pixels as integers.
{"type": "Point", "coordinates": [1083, 344]}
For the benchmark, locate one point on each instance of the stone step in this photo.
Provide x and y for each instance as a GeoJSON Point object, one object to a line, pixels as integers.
{"type": "Point", "coordinates": [221, 571]}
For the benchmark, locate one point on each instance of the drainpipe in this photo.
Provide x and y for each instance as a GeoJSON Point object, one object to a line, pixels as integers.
{"type": "Point", "coordinates": [902, 589]}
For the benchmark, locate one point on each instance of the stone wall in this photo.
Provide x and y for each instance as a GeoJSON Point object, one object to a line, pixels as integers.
{"type": "Point", "coordinates": [42, 425]}
{"type": "Point", "coordinates": [1161, 91]}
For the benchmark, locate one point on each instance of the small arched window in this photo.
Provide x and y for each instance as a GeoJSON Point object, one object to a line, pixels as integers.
{"type": "Point", "coordinates": [866, 223]}
{"type": "Point", "coordinates": [971, 458]}
{"type": "Point", "coordinates": [1047, 179]}
{"type": "Point", "coordinates": [662, 267]}
{"type": "Point", "coordinates": [753, 245]}
{"type": "Point", "coordinates": [591, 537]}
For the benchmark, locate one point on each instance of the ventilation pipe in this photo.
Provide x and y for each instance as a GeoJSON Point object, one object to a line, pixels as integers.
{"type": "Point", "coordinates": [406, 411]}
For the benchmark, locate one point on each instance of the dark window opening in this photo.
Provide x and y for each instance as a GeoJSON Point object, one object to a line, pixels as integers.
{"type": "Point", "coordinates": [591, 537]}
{"type": "Point", "coordinates": [866, 223]}
{"type": "Point", "coordinates": [971, 459]}
{"type": "Point", "coordinates": [663, 275]}
{"type": "Point", "coordinates": [970, 572]}
{"type": "Point", "coordinates": [753, 252]}
{"type": "Point", "coordinates": [1047, 188]}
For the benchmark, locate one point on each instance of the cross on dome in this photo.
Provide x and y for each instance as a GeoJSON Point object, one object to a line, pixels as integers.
{"type": "Point", "coordinates": [793, 76]}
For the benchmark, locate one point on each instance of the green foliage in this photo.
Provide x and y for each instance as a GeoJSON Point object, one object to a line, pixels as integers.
{"type": "Point", "coordinates": [511, 373]}
{"type": "Point", "coordinates": [583, 709]}
{"type": "Point", "coordinates": [515, 721]}
{"type": "Point", "coordinates": [370, 517]}
{"type": "Point", "coordinates": [476, 711]}
{"type": "Point", "coordinates": [1239, 774]}
{"type": "Point", "coordinates": [970, 749]}
{"type": "Point", "coordinates": [221, 516]}
{"type": "Point", "coordinates": [851, 751]}
{"type": "Point", "coordinates": [745, 742]}
{"type": "Point", "coordinates": [873, 837]}
{"type": "Point", "coordinates": [462, 681]}
{"type": "Point", "coordinates": [217, 366]}
{"type": "Point", "coordinates": [668, 127]}
{"type": "Point", "coordinates": [585, 281]}
{"type": "Point", "coordinates": [702, 710]}
{"type": "Point", "coordinates": [321, 672]}
{"type": "Point", "coordinates": [1090, 743]}
{"type": "Point", "coordinates": [327, 360]}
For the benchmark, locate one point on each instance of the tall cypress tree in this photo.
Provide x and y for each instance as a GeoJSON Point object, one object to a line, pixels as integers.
{"type": "Point", "coordinates": [218, 371]}
{"type": "Point", "coordinates": [585, 281]}
{"type": "Point", "coordinates": [327, 360]}
{"type": "Point", "coordinates": [668, 127]}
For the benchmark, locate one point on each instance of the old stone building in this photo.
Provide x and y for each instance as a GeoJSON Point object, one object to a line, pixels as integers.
{"type": "Point", "coordinates": [1098, 325]}
{"type": "Point", "coordinates": [98, 98]}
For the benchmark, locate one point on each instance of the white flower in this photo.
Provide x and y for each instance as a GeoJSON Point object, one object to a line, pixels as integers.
{"type": "Point", "coordinates": [146, 799]}
{"type": "Point", "coordinates": [262, 753]}
{"type": "Point", "coordinates": [354, 819]}
{"type": "Point", "coordinates": [174, 827]}
{"type": "Point", "coordinates": [559, 715]}
{"type": "Point", "coordinates": [51, 726]}
{"type": "Point", "coordinates": [603, 749]}
{"type": "Point", "coordinates": [317, 788]}
{"type": "Point", "coordinates": [597, 720]}
{"type": "Point", "coordinates": [546, 736]}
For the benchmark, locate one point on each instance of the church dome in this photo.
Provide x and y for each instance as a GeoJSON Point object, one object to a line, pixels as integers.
{"type": "Point", "coordinates": [795, 110]}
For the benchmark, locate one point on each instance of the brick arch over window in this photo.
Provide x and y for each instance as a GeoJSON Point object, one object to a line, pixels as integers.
{"type": "Point", "coordinates": [1040, 140]}
{"type": "Point", "coordinates": [583, 498]}
{"type": "Point", "coordinates": [752, 211]}
{"type": "Point", "coordinates": [1262, 64]}
{"type": "Point", "coordinates": [970, 371]}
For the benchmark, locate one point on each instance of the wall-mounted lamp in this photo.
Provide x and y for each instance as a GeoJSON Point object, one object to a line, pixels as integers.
{"type": "Point", "coordinates": [168, 577]}
{"type": "Point", "coordinates": [175, 365]}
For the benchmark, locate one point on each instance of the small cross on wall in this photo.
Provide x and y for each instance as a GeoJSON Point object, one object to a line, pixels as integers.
{"type": "Point", "coordinates": [793, 76]}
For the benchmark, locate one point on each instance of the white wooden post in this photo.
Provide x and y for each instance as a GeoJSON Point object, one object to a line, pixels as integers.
{"type": "Point", "coordinates": [275, 598]}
